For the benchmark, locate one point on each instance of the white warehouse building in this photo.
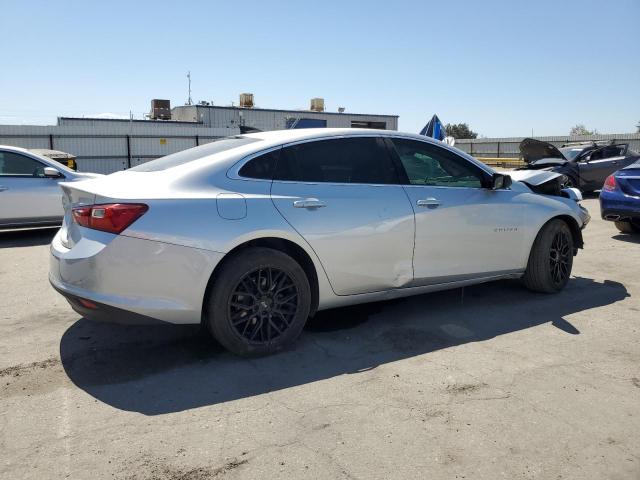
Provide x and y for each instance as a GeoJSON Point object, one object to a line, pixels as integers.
{"type": "Point", "coordinates": [274, 119]}
{"type": "Point", "coordinates": [109, 145]}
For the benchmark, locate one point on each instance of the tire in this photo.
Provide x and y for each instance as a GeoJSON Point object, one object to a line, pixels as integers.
{"type": "Point", "coordinates": [259, 302]}
{"type": "Point", "coordinates": [627, 227]}
{"type": "Point", "coordinates": [551, 258]}
{"type": "Point", "coordinates": [571, 183]}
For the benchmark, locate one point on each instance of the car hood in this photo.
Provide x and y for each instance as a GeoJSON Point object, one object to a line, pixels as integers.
{"type": "Point", "coordinates": [86, 176]}
{"type": "Point", "coordinates": [534, 151]}
{"type": "Point", "coordinates": [534, 178]}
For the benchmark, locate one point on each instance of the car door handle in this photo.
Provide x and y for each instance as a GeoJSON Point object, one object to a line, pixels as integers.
{"type": "Point", "coordinates": [3, 188]}
{"type": "Point", "coordinates": [309, 203]}
{"type": "Point", "coordinates": [428, 202]}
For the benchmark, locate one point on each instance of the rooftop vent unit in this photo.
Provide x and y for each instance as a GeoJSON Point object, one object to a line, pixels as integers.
{"type": "Point", "coordinates": [160, 109]}
{"type": "Point", "coordinates": [340, 109]}
{"type": "Point", "coordinates": [317, 105]}
{"type": "Point", "coordinates": [246, 100]}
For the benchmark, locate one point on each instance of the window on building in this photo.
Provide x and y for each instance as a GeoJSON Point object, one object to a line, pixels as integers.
{"type": "Point", "coordinates": [306, 123]}
{"type": "Point", "coordinates": [363, 124]}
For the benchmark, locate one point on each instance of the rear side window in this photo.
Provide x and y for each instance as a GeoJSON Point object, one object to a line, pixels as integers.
{"type": "Point", "coordinates": [431, 165]}
{"type": "Point", "coordinates": [186, 156]}
{"type": "Point", "coordinates": [261, 167]}
{"type": "Point", "coordinates": [16, 165]}
{"type": "Point", "coordinates": [339, 160]}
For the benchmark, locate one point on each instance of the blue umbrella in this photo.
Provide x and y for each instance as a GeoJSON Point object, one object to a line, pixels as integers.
{"type": "Point", "coordinates": [434, 129]}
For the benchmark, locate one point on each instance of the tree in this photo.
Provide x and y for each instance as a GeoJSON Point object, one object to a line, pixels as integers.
{"type": "Point", "coordinates": [459, 130]}
{"type": "Point", "coordinates": [580, 129]}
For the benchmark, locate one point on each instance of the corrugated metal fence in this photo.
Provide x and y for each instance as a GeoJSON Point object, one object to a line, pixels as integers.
{"type": "Point", "coordinates": [508, 147]}
{"type": "Point", "coordinates": [107, 147]}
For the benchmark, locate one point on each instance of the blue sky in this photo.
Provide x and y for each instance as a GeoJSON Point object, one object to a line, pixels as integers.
{"type": "Point", "coordinates": [504, 67]}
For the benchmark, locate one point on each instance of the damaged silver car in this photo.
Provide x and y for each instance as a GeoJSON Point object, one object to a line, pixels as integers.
{"type": "Point", "coordinates": [250, 235]}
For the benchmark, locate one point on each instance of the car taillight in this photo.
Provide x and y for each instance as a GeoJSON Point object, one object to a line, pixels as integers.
{"type": "Point", "coordinates": [610, 184]}
{"type": "Point", "coordinates": [109, 217]}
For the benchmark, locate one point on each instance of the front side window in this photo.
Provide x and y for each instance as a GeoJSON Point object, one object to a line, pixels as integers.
{"type": "Point", "coordinates": [609, 151]}
{"type": "Point", "coordinates": [339, 160]}
{"type": "Point", "coordinates": [16, 165]}
{"type": "Point", "coordinates": [431, 165]}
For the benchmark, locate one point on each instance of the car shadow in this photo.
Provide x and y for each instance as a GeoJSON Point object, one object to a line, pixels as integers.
{"type": "Point", "coordinates": [627, 237]}
{"type": "Point", "coordinates": [162, 369]}
{"type": "Point", "coordinates": [27, 237]}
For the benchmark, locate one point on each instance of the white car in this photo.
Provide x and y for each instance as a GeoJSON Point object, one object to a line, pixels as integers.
{"type": "Point", "coordinates": [252, 234]}
{"type": "Point", "coordinates": [30, 195]}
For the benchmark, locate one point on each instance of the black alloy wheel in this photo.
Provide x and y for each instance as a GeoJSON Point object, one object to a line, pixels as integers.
{"type": "Point", "coordinates": [263, 305]}
{"type": "Point", "coordinates": [551, 258]}
{"type": "Point", "coordinates": [559, 258]}
{"type": "Point", "coordinates": [259, 301]}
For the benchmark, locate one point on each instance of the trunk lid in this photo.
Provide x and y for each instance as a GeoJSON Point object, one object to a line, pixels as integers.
{"type": "Point", "coordinates": [120, 187]}
{"type": "Point", "coordinates": [72, 196]}
{"type": "Point", "coordinates": [533, 151]}
{"type": "Point", "coordinates": [629, 179]}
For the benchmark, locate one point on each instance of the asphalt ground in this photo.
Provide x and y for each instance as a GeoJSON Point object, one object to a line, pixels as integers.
{"type": "Point", "coordinates": [493, 382]}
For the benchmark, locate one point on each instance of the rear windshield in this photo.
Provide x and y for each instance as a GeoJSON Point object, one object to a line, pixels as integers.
{"type": "Point", "coordinates": [186, 156]}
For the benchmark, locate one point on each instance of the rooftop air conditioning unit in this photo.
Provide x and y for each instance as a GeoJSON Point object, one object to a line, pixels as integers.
{"type": "Point", "coordinates": [246, 100]}
{"type": "Point", "coordinates": [317, 105]}
{"type": "Point", "coordinates": [160, 109]}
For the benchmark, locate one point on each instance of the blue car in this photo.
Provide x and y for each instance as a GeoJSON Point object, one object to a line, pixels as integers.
{"type": "Point", "coordinates": [620, 199]}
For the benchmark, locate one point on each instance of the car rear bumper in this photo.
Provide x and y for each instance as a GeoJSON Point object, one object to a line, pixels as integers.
{"type": "Point", "coordinates": [616, 206]}
{"type": "Point", "coordinates": [102, 312]}
{"type": "Point", "coordinates": [131, 280]}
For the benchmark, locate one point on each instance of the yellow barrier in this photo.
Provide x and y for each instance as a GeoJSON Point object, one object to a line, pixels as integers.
{"type": "Point", "coordinates": [502, 162]}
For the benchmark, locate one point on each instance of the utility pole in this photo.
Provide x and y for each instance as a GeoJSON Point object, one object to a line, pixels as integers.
{"type": "Point", "coordinates": [189, 102]}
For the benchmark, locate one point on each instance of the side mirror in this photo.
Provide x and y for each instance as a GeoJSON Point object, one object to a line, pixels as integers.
{"type": "Point", "coordinates": [500, 181]}
{"type": "Point", "coordinates": [51, 172]}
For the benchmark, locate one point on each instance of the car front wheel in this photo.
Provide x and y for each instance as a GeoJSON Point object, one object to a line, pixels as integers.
{"type": "Point", "coordinates": [571, 182]}
{"type": "Point", "coordinates": [551, 258]}
{"type": "Point", "coordinates": [259, 302]}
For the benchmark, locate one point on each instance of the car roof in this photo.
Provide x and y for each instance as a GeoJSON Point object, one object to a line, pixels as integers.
{"type": "Point", "coordinates": [294, 135]}
{"type": "Point", "coordinates": [282, 137]}
{"type": "Point", "coordinates": [202, 159]}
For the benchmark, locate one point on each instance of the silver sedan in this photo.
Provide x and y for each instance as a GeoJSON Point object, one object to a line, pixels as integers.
{"type": "Point", "coordinates": [252, 234]}
{"type": "Point", "coordinates": [29, 191]}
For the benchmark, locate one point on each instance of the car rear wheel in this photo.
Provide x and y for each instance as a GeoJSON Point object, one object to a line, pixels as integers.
{"type": "Point", "coordinates": [628, 226]}
{"type": "Point", "coordinates": [551, 258]}
{"type": "Point", "coordinates": [259, 302]}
